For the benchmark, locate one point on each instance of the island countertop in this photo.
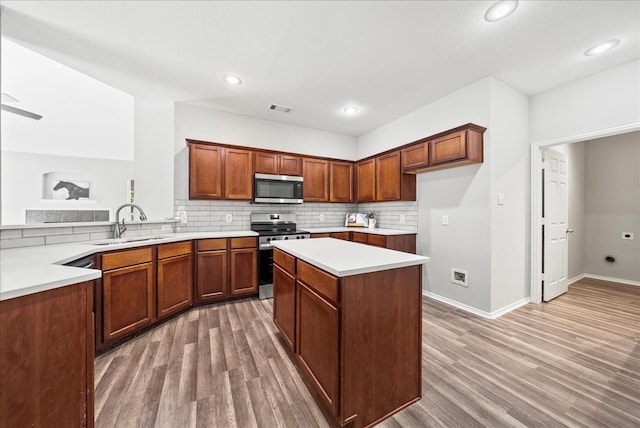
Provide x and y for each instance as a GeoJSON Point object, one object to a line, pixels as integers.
{"type": "Point", "coordinates": [343, 258]}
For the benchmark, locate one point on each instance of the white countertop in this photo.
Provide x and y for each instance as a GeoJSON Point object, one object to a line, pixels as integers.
{"type": "Point", "coordinates": [374, 231]}
{"type": "Point", "coordinates": [29, 270]}
{"type": "Point", "coordinates": [344, 258]}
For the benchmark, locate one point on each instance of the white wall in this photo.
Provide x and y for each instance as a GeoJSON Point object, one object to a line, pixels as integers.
{"type": "Point", "coordinates": [22, 183]}
{"type": "Point", "coordinates": [510, 175]}
{"type": "Point", "coordinates": [605, 100]}
{"type": "Point", "coordinates": [154, 142]}
{"type": "Point", "coordinates": [461, 193]}
{"type": "Point", "coordinates": [612, 206]}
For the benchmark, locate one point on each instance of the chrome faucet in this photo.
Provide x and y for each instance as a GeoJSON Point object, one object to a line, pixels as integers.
{"type": "Point", "coordinates": [120, 228]}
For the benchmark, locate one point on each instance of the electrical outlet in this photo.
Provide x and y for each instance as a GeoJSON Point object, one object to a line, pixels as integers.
{"type": "Point", "coordinates": [402, 218]}
{"type": "Point", "coordinates": [229, 218]}
{"type": "Point", "coordinates": [321, 217]}
{"type": "Point", "coordinates": [445, 220]}
{"type": "Point", "coordinates": [627, 235]}
{"type": "Point", "coordinates": [166, 227]}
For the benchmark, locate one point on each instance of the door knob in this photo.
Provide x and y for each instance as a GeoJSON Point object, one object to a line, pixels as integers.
{"type": "Point", "coordinates": [569, 230]}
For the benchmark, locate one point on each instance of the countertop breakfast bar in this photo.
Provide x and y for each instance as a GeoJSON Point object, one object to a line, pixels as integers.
{"type": "Point", "coordinates": [351, 315]}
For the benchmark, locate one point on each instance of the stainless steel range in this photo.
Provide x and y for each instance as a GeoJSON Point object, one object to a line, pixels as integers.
{"type": "Point", "coordinates": [272, 227]}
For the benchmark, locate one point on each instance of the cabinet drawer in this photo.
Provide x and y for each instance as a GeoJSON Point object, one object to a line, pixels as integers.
{"type": "Point", "coordinates": [171, 250]}
{"type": "Point", "coordinates": [212, 244]}
{"type": "Point", "coordinates": [285, 261]}
{"type": "Point", "coordinates": [247, 242]}
{"type": "Point", "coordinates": [377, 240]}
{"type": "Point", "coordinates": [359, 237]}
{"type": "Point", "coordinates": [341, 235]}
{"type": "Point", "coordinates": [319, 281]}
{"type": "Point", "coordinates": [126, 258]}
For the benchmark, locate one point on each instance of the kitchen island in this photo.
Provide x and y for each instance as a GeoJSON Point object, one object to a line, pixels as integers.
{"type": "Point", "coordinates": [351, 314]}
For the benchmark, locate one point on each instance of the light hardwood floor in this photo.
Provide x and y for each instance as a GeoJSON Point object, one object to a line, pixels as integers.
{"type": "Point", "coordinates": [572, 362]}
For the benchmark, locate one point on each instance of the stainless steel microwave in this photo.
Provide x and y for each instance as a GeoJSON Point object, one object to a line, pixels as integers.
{"type": "Point", "coordinates": [277, 189]}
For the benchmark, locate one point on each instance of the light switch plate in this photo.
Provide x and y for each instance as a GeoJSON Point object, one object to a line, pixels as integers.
{"type": "Point", "coordinates": [500, 198]}
{"type": "Point", "coordinates": [229, 218]}
{"type": "Point", "coordinates": [445, 220]}
{"type": "Point", "coordinates": [321, 217]}
{"type": "Point", "coordinates": [402, 219]}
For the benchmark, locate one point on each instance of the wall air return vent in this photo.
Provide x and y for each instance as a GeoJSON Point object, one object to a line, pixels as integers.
{"type": "Point", "coordinates": [282, 109]}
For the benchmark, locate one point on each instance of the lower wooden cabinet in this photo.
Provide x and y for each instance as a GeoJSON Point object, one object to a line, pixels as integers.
{"type": "Point", "coordinates": [46, 358]}
{"type": "Point", "coordinates": [174, 284]}
{"type": "Point", "coordinates": [127, 298]}
{"type": "Point", "coordinates": [284, 312]}
{"type": "Point", "coordinates": [318, 338]}
{"type": "Point", "coordinates": [406, 243]}
{"type": "Point", "coordinates": [226, 267]}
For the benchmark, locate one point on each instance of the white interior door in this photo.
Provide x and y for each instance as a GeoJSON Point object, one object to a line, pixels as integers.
{"type": "Point", "coordinates": [556, 229]}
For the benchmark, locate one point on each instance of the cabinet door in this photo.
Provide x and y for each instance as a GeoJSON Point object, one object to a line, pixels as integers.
{"type": "Point", "coordinates": [289, 165]}
{"type": "Point", "coordinates": [127, 300]}
{"type": "Point", "coordinates": [205, 171]}
{"type": "Point", "coordinates": [46, 358]}
{"type": "Point", "coordinates": [316, 180]}
{"type": "Point", "coordinates": [244, 271]}
{"type": "Point", "coordinates": [415, 157]}
{"type": "Point", "coordinates": [388, 177]}
{"type": "Point", "coordinates": [238, 177]}
{"type": "Point", "coordinates": [449, 148]}
{"type": "Point", "coordinates": [359, 237]}
{"type": "Point", "coordinates": [341, 182]}
{"type": "Point", "coordinates": [284, 304]}
{"type": "Point", "coordinates": [265, 163]}
{"type": "Point", "coordinates": [317, 338]}
{"type": "Point", "coordinates": [175, 285]}
{"type": "Point", "coordinates": [377, 240]}
{"type": "Point", "coordinates": [366, 179]}
{"type": "Point", "coordinates": [212, 275]}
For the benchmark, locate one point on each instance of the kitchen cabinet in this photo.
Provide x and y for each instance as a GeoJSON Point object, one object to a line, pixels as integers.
{"type": "Point", "coordinates": [274, 163]}
{"type": "Point", "coordinates": [174, 278]}
{"type": "Point", "coordinates": [238, 178]}
{"type": "Point", "coordinates": [217, 172]}
{"type": "Point", "coordinates": [205, 171]}
{"type": "Point", "coordinates": [406, 243]}
{"type": "Point", "coordinates": [366, 180]}
{"type": "Point", "coordinates": [243, 265]}
{"type": "Point", "coordinates": [46, 358]}
{"type": "Point", "coordinates": [227, 267]}
{"type": "Point", "coordinates": [415, 157]}
{"type": "Point", "coordinates": [457, 147]}
{"type": "Point", "coordinates": [357, 348]}
{"type": "Point", "coordinates": [340, 181]}
{"type": "Point", "coordinates": [316, 180]}
{"type": "Point", "coordinates": [346, 236]}
{"type": "Point", "coordinates": [212, 279]}
{"type": "Point", "coordinates": [284, 286]}
{"type": "Point", "coordinates": [127, 292]}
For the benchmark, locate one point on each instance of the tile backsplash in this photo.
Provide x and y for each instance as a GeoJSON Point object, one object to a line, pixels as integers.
{"type": "Point", "coordinates": [65, 216]}
{"type": "Point", "coordinates": [209, 216]}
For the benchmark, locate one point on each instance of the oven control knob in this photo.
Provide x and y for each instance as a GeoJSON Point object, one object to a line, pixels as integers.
{"type": "Point", "coordinates": [286, 237]}
{"type": "Point", "coordinates": [302, 237]}
{"type": "Point", "coordinates": [268, 239]}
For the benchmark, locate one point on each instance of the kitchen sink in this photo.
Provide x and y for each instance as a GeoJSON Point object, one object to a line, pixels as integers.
{"type": "Point", "coordinates": [120, 241]}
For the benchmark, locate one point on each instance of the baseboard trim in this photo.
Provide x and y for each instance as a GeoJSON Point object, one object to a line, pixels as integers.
{"type": "Point", "coordinates": [611, 279]}
{"type": "Point", "coordinates": [576, 278]}
{"type": "Point", "coordinates": [489, 315]}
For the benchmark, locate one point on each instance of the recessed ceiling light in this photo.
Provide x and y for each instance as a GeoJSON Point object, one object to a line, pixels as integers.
{"type": "Point", "coordinates": [350, 110]}
{"type": "Point", "coordinates": [232, 79]}
{"type": "Point", "coordinates": [500, 10]}
{"type": "Point", "coordinates": [602, 47]}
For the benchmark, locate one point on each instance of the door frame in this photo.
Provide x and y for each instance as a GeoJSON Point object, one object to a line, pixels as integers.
{"type": "Point", "coordinates": [536, 196]}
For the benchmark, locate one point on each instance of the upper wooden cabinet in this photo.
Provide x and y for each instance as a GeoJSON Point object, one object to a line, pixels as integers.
{"type": "Point", "coordinates": [238, 183]}
{"type": "Point", "coordinates": [341, 182]}
{"type": "Point", "coordinates": [457, 147]}
{"type": "Point", "coordinates": [217, 172]}
{"type": "Point", "coordinates": [366, 180]}
{"type": "Point", "coordinates": [205, 171]}
{"type": "Point", "coordinates": [274, 163]}
{"type": "Point", "coordinates": [316, 180]}
{"type": "Point", "coordinates": [381, 179]}
{"type": "Point", "coordinates": [415, 156]}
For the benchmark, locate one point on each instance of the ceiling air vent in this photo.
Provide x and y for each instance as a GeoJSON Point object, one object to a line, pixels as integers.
{"type": "Point", "coordinates": [283, 109]}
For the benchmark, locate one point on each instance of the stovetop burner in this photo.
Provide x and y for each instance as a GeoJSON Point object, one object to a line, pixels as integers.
{"type": "Point", "coordinates": [275, 227]}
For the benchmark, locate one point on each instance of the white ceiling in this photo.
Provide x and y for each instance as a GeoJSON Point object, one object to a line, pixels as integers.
{"type": "Point", "coordinates": [388, 57]}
